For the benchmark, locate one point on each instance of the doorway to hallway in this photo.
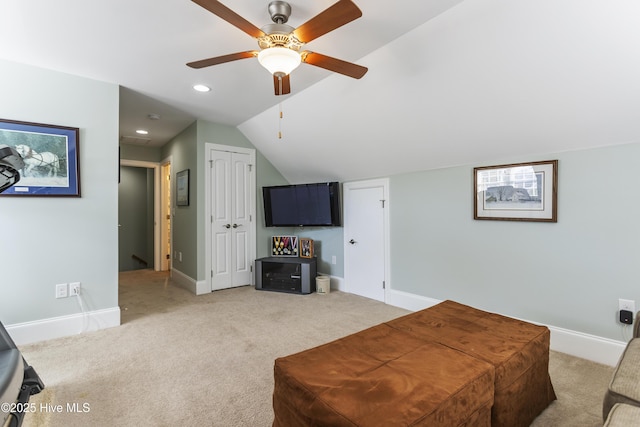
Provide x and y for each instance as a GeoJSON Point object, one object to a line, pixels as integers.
{"type": "Point", "coordinates": [156, 196]}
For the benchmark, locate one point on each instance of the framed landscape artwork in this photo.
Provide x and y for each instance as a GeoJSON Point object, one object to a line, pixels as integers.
{"type": "Point", "coordinates": [516, 192]}
{"type": "Point", "coordinates": [51, 158]}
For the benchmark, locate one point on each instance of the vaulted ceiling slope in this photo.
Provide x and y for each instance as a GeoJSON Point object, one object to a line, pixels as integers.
{"type": "Point", "coordinates": [450, 82]}
{"type": "Point", "coordinates": [485, 82]}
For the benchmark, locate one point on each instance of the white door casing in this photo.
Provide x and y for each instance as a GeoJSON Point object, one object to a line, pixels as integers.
{"type": "Point", "coordinates": [231, 208]}
{"type": "Point", "coordinates": [366, 232]}
{"type": "Point", "coordinates": [165, 215]}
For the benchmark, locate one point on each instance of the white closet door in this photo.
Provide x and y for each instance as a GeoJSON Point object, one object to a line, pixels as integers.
{"type": "Point", "coordinates": [230, 219]}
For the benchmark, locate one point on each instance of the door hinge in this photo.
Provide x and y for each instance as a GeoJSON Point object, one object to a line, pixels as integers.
{"type": "Point", "coordinates": [250, 167]}
{"type": "Point", "coordinates": [251, 268]}
{"type": "Point", "coordinates": [212, 274]}
{"type": "Point", "coordinates": [382, 203]}
{"type": "Point", "coordinates": [384, 285]}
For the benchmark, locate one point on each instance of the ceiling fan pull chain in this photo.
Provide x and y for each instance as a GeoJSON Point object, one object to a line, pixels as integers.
{"type": "Point", "coordinates": [280, 122]}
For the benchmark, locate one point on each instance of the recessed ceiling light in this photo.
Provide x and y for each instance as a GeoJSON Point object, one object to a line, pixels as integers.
{"type": "Point", "coordinates": [142, 132]}
{"type": "Point", "coordinates": [201, 88]}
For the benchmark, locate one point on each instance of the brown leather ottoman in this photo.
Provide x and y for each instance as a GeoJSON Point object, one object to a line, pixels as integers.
{"type": "Point", "coordinates": [518, 350]}
{"type": "Point", "coordinates": [382, 377]}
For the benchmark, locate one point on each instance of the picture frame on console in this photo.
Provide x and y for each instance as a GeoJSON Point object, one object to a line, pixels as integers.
{"type": "Point", "coordinates": [51, 156]}
{"type": "Point", "coordinates": [516, 192]}
{"type": "Point", "coordinates": [284, 246]}
{"type": "Point", "coordinates": [306, 248]}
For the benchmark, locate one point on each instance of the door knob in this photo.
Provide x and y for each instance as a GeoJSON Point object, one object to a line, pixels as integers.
{"type": "Point", "coordinates": [353, 242]}
{"type": "Point", "coordinates": [237, 225]}
{"type": "Point", "coordinates": [227, 226]}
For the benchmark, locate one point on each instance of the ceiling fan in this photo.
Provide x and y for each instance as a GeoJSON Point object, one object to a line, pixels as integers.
{"type": "Point", "coordinates": [280, 43]}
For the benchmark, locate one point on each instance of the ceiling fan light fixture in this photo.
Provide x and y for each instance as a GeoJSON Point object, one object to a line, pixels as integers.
{"type": "Point", "coordinates": [279, 60]}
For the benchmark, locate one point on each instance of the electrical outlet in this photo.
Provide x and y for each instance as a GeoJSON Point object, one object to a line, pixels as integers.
{"type": "Point", "coordinates": [333, 260]}
{"type": "Point", "coordinates": [74, 289]}
{"type": "Point", "coordinates": [62, 290]}
{"type": "Point", "coordinates": [627, 304]}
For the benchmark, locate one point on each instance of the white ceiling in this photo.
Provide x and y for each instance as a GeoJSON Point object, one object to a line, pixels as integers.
{"type": "Point", "coordinates": [143, 46]}
{"type": "Point", "coordinates": [450, 82]}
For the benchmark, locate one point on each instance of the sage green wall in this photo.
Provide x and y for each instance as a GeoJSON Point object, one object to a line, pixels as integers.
{"type": "Point", "coordinates": [183, 150]}
{"type": "Point", "coordinates": [140, 153]}
{"type": "Point", "coordinates": [568, 274]}
{"type": "Point", "coordinates": [51, 240]}
{"type": "Point", "coordinates": [328, 241]}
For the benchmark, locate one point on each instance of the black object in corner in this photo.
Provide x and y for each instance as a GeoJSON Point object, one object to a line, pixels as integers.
{"type": "Point", "coordinates": [626, 317]}
{"type": "Point", "coordinates": [15, 393]}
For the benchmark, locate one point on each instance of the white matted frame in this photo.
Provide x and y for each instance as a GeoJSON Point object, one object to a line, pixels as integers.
{"type": "Point", "coordinates": [516, 192]}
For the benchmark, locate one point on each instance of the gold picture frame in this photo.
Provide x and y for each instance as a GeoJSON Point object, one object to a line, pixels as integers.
{"type": "Point", "coordinates": [306, 248]}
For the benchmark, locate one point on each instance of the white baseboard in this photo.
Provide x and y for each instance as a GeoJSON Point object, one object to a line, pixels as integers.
{"type": "Point", "coordinates": [408, 301]}
{"type": "Point", "coordinates": [188, 283]}
{"type": "Point", "coordinates": [585, 346]}
{"type": "Point", "coordinates": [56, 327]}
{"type": "Point", "coordinates": [335, 283]}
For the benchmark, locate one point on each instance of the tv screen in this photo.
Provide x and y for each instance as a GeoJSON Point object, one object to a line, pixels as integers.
{"type": "Point", "coordinates": [302, 205]}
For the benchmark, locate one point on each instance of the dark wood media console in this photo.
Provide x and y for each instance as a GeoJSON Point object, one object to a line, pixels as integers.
{"type": "Point", "coordinates": [282, 274]}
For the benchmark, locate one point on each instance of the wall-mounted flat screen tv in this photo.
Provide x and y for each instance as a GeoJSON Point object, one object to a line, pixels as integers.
{"type": "Point", "coordinates": [302, 205]}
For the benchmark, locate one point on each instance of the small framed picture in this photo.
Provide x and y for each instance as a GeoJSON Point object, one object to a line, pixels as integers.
{"type": "Point", "coordinates": [306, 248]}
{"type": "Point", "coordinates": [182, 188]}
{"type": "Point", "coordinates": [284, 246]}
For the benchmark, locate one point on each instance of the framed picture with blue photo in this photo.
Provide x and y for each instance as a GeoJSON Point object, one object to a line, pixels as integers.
{"type": "Point", "coordinates": [51, 156]}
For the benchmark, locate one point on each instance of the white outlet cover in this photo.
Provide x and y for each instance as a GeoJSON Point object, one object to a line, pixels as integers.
{"type": "Point", "coordinates": [74, 288]}
{"type": "Point", "coordinates": [627, 304]}
{"type": "Point", "coordinates": [62, 290]}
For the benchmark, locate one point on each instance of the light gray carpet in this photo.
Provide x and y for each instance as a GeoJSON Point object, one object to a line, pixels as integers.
{"type": "Point", "coordinates": [185, 360]}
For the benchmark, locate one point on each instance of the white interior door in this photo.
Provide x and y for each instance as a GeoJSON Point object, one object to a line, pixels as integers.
{"type": "Point", "coordinates": [165, 217]}
{"type": "Point", "coordinates": [366, 238]}
{"type": "Point", "coordinates": [231, 217]}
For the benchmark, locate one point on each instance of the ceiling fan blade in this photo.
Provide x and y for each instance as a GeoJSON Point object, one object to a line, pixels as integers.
{"type": "Point", "coordinates": [230, 16]}
{"type": "Point", "coordinates": [222, 59]}
{"type": "Point", "coordinates": [342, 12]}
{"type": "Point", "coordinates": [334, 64]}
{"type": "Point", "coordinates": [282, 85]}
